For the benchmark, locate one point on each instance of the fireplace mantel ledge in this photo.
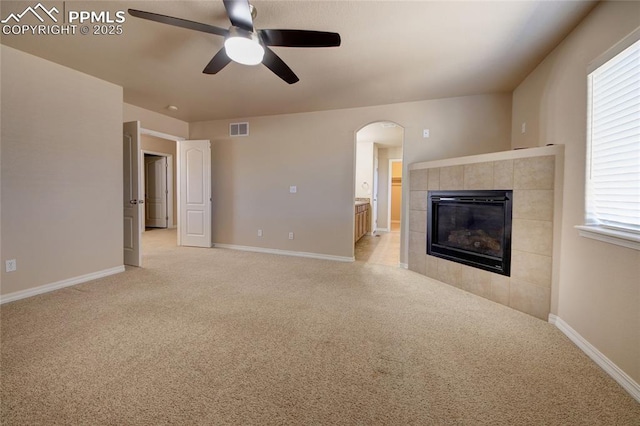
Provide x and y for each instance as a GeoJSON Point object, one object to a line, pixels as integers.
{"type": "Point", "coordinates": [493, 156]}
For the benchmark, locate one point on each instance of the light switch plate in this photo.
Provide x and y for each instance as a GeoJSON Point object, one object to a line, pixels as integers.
{"type": "Point", "coordinates": [293, 189]}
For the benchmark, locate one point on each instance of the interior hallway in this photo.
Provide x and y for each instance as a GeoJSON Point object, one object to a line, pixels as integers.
{"type": "Point", "coordinates": [157, 240]}
{"type": "Point", "coordinates": [380, 249]}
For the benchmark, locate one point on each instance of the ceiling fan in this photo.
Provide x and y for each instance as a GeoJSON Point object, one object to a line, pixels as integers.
{"type": "Point", "coordinates": [246, 45]}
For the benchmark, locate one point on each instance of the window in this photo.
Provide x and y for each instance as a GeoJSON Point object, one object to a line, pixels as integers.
{"type": "Point", "coordinates": [613, 152]}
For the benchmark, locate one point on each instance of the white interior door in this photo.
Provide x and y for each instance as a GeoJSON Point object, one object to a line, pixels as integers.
{"type": "Point", "coordinates": [131, 193]}
{"type": "Point", "coordinates": [194, 195]}
{"type": "Point", "coordinates": [155, 191]}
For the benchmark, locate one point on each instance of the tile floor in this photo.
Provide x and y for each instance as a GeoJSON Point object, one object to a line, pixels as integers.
{"type": "Point", "coordinates": [382, 248]}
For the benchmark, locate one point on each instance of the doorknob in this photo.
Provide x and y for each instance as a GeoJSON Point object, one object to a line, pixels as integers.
{"type": "Point", "coordinates": [133, 201]}
{"type": "Point", "coordinates": [140, 201]}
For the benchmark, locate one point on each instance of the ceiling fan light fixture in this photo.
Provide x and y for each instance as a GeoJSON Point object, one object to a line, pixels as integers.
{"type": "Point", "coordinates": [245, 44]}
{"type": "Point", "coordinates": [243, 47]}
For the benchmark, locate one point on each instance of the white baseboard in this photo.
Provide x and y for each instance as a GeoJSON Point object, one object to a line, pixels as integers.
{"type": "Point", "coordinates": [382, 229]}
{"type": "Point", "coordinates": [59, 284]}
{"type": "Point", "coordinates": [598, 357]}
{"type": "Point", "coordinates": [286, 252]}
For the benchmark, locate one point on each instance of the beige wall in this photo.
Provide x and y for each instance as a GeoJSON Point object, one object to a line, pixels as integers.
{"type": "Point", "coordinates": [150, 143]}
{"type": "Point", "coordinates": [315, 151]}
{"type": "Point", "coordinates": [396, 170]}
{"type": "Point", "coordinates": [599, 290]}
{"type": "Point", "coordinates": [364, 169]}
{"type": "Point", "coordinates": [153, 121]}
{"type": "Point", "coordinates": [61, 172]}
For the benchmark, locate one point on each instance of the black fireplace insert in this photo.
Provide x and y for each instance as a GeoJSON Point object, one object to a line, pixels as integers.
{"type": "Point", "coordinates": [471, 227]}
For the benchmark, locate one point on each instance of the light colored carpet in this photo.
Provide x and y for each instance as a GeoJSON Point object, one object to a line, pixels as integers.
{"type": "Point", "coordinates": [212, 336]}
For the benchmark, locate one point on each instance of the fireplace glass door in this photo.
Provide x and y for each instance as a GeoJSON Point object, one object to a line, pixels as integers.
{"type": "Point", "coordinates": [471, 227]}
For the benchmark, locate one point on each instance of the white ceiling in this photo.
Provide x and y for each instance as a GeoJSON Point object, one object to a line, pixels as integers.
{"type": "Point", "coordinates": [392, 51]}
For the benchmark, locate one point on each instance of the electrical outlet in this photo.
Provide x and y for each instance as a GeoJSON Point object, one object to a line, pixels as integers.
{"type": "Point", "coordinates": [291, 235]}
{"type": "Point", "coordinates": [425, 133]}
{"type": "Point", "coordinates": [11, 265]}
{"type": "Point", "coordinates": [293, 189]}
{"type": "Point", "coordinates": [259, 232]}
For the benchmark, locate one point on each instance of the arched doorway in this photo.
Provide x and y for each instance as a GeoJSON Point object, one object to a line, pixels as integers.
{"type": "Point", "coordinates": [378, 153]}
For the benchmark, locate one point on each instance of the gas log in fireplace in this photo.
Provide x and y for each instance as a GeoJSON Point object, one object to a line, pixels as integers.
{"type": "Point", "coordinates": [471, 227]}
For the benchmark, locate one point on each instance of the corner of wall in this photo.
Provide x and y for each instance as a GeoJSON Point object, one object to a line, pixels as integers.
{"type": "Point", "coordinates": [155, 121]}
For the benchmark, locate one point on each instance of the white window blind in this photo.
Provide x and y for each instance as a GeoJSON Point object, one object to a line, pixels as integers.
{"type": "Point", "coordinates": [613, 181]}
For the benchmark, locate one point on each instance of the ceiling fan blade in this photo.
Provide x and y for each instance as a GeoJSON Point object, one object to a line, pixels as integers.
{"type": "Point", "coordinates": [219, 61]}
{"type": "Point", "coordinates": [178, 22]}
{"type": "Point", "coordinates": [239, 13]}
{"type": "Point", "coordinates": [299, 38]}
{"type": "Point", "coordinates": [277, 65]}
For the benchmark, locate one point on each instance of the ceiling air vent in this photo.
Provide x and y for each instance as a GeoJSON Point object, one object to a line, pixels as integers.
{"type": "Point", "coordinates": [239, 129]}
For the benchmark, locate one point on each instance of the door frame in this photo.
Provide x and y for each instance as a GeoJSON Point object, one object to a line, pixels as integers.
{"type": "Point", "coordinates": [390, 198]}
{"type": "Point", "coordinates": [404, 240]}
{"type": "Point", "coordinates": [154, 133]}
{"type": "Point", "coordinates": [170, 189]}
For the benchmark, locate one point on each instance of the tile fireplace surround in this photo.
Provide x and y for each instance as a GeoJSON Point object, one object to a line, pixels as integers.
{"type": "Point", "coordinates": [535, 176]}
